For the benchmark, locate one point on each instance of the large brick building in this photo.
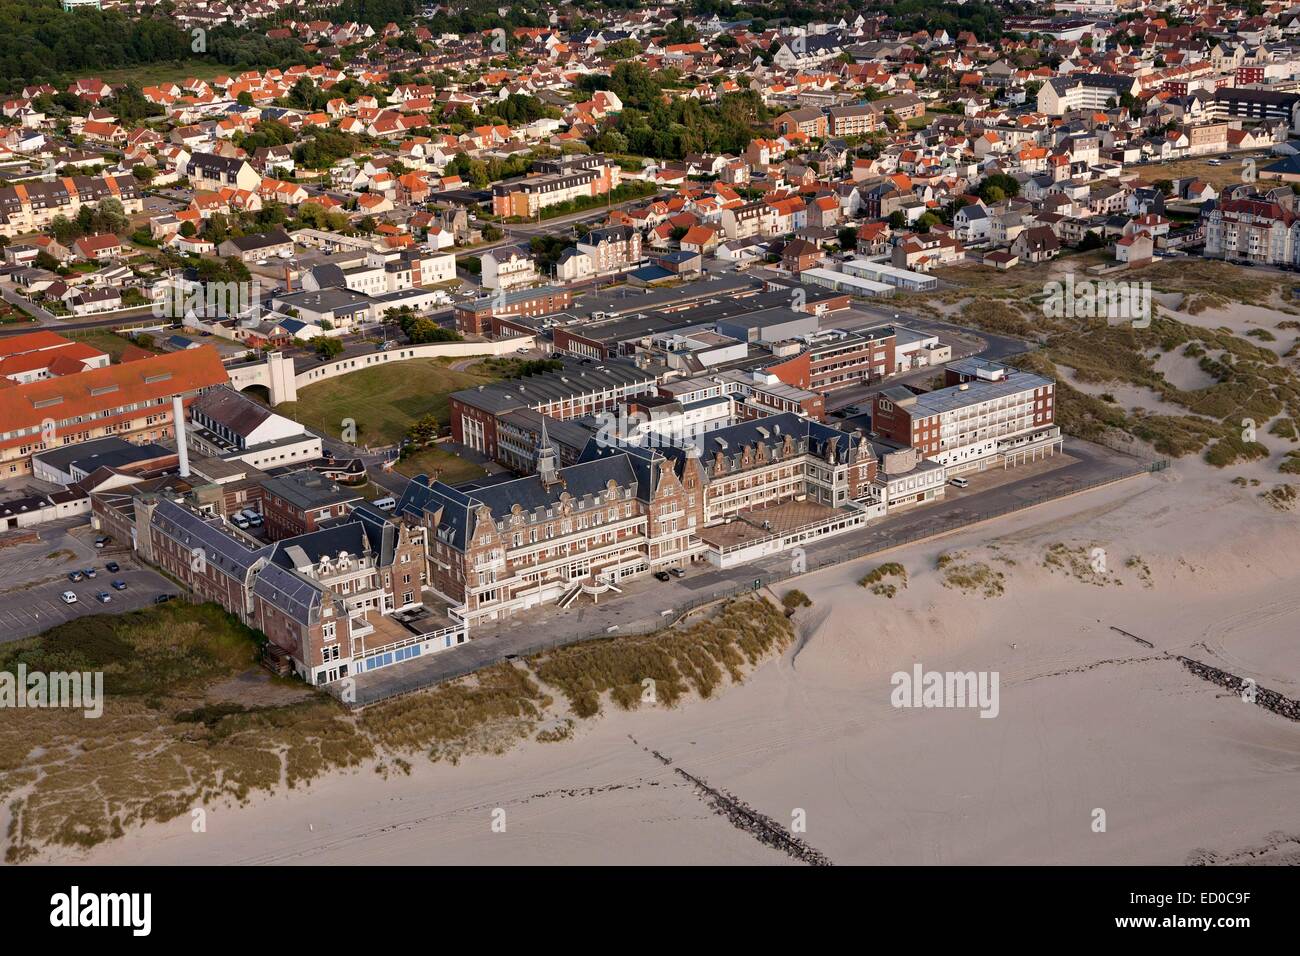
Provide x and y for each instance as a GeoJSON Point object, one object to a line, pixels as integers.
{"type": "Point", "coordinates": [571, 392]}
{"type": "Point", "coordinates": [987, 413]}
{"type": "Point", "coordinates": [323, 599]}
{"type": "Point", "coordinates": [839, 359]}
{"type": "Point", "coordinates": [477, 315]}
{"type": "Point", "coordinates": [496, 548]}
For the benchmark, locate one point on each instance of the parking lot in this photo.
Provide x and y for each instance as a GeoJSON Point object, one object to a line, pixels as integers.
{"type": "Point", "coordinates": [36, 575]}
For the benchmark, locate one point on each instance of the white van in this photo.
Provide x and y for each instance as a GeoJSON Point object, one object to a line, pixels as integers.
{"type": "Point", "coordinates": [69, 597]}
{"type": "Point", "coordinates": [385, 504]}
{"type": "Point", "coordinates": [958, 482]}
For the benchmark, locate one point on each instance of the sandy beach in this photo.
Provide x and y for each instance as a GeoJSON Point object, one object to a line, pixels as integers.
{"type": "Point", "coordinates": [1089, 719]}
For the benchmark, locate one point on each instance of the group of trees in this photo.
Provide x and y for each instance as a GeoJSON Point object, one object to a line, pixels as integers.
{"type": "Point", "coordinates": [268, 133]}
{"type": "Point", "coordinates": [519, 109]}
{"type": "Point", "coordinates": [420, 329]}
{"type": "Point", "coordinates": [107, 215]}
{"type": "Point", "coordinates": [480, 173]}
{"type": "Point", "coordinates": [42, 42]}
{"type": "Point", "coordinates": [39, 40]}
{"type": "Point", "coordinates": [324, 148]}
{"type": "Point", "coordinates": [983, 19]}
{"type": "Point", "coordinates": [997, 187]}
{"type": "Point", "coordinates": [653, 124]}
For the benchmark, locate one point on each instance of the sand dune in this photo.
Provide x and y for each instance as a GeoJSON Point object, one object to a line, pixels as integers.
{"type": "Point", "coordinates": [1090, 719]}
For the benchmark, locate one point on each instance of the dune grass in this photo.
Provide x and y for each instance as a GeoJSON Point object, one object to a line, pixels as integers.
{"type": "Point", "coordinates": [189, 721]}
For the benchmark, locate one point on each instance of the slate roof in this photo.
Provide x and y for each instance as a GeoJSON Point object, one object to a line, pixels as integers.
{"type": "Point", "coordinates": [581, 481]}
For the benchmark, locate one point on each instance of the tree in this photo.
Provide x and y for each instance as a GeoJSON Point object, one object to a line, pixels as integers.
{"type": "Point", "coordinates": [64, 230]}
{"type": "Point", "coordinates": [897, 219]}
{"type": "Point", "coordinates": [848, 237]}
{"type": "Point", "coordinates": [1091, 240]}
{"type": "Point", "coordinates": [423, 431]}
{"type": "Point", "coordinates": [1007, 185]}
{"type": "Point", "coordinates": [326, 347]}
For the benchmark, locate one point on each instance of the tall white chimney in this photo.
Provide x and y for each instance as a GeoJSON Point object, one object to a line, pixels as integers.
{"type": "Point", "coordinates": [178, 428]}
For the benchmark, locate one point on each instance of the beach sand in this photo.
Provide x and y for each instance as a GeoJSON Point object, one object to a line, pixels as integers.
{"type": "Point", "coordinates": [1089, 719]}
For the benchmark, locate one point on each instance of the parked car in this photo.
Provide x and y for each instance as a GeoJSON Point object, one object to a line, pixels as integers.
{"type": "Point", "coordinates": [103, 597]}
{"type": "Point", "coordinates": [663, 576]}
{"type": "Point", "coordinates": [103, 541]}
{"type": "Point", "coordinates": [677, 572]}
{"type": "Point", "coordinates": [75, 576]}
{"type": "Point", "coordinates": [69, 597]}
{"type": "Point", "coordinates": [958, 482]}
{"type": "Point", "coordinates": [119, 585]}
{"type": "Point", "coordinates": [164, 598]}
{"type": "Point", "coordinates": [89, 572]}
{"type": "Point", "coordinates": [112, 567]}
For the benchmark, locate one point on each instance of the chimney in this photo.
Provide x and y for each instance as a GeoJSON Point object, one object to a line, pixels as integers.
{"type": "Point", "coordinates": [178, 428]}
{"type": "Point", "coordinates": [288, 279]}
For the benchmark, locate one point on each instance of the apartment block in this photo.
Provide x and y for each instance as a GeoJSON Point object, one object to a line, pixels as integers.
{"type": "Point", "coordinates": [987, 414]}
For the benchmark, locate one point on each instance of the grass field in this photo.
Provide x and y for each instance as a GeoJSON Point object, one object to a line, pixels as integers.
{"type": "Point", "coordinates": [1227, 174]}
{"type": "Point", "coordinates": [105, 339]}
{"type": "Point", "coordinates": [440, 464]}
{"type": "Point", "coordinates": [177, 71]}
{"type": "Point", "coordinates": [383, 401]}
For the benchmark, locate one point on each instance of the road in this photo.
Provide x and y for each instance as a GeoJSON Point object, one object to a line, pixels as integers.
{"type": "Point", "coordinates": [521, 233]}
{"type": "Point", "coordinates": [642, 605]}
{"type": "Point", "coordinates": [13, 298]}
{"type": "Point", "coordinates": [56, 323]}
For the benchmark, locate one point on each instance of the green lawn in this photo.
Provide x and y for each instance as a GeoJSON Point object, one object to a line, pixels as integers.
{"type": "Point", "coordinates": [175, 72]}
{"type": "Point", "coordinates": [105, 339]}
{"type": "Point", "coordinates": [383, 401]}
{"type": "Point", "coordinates": [440, 464]}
